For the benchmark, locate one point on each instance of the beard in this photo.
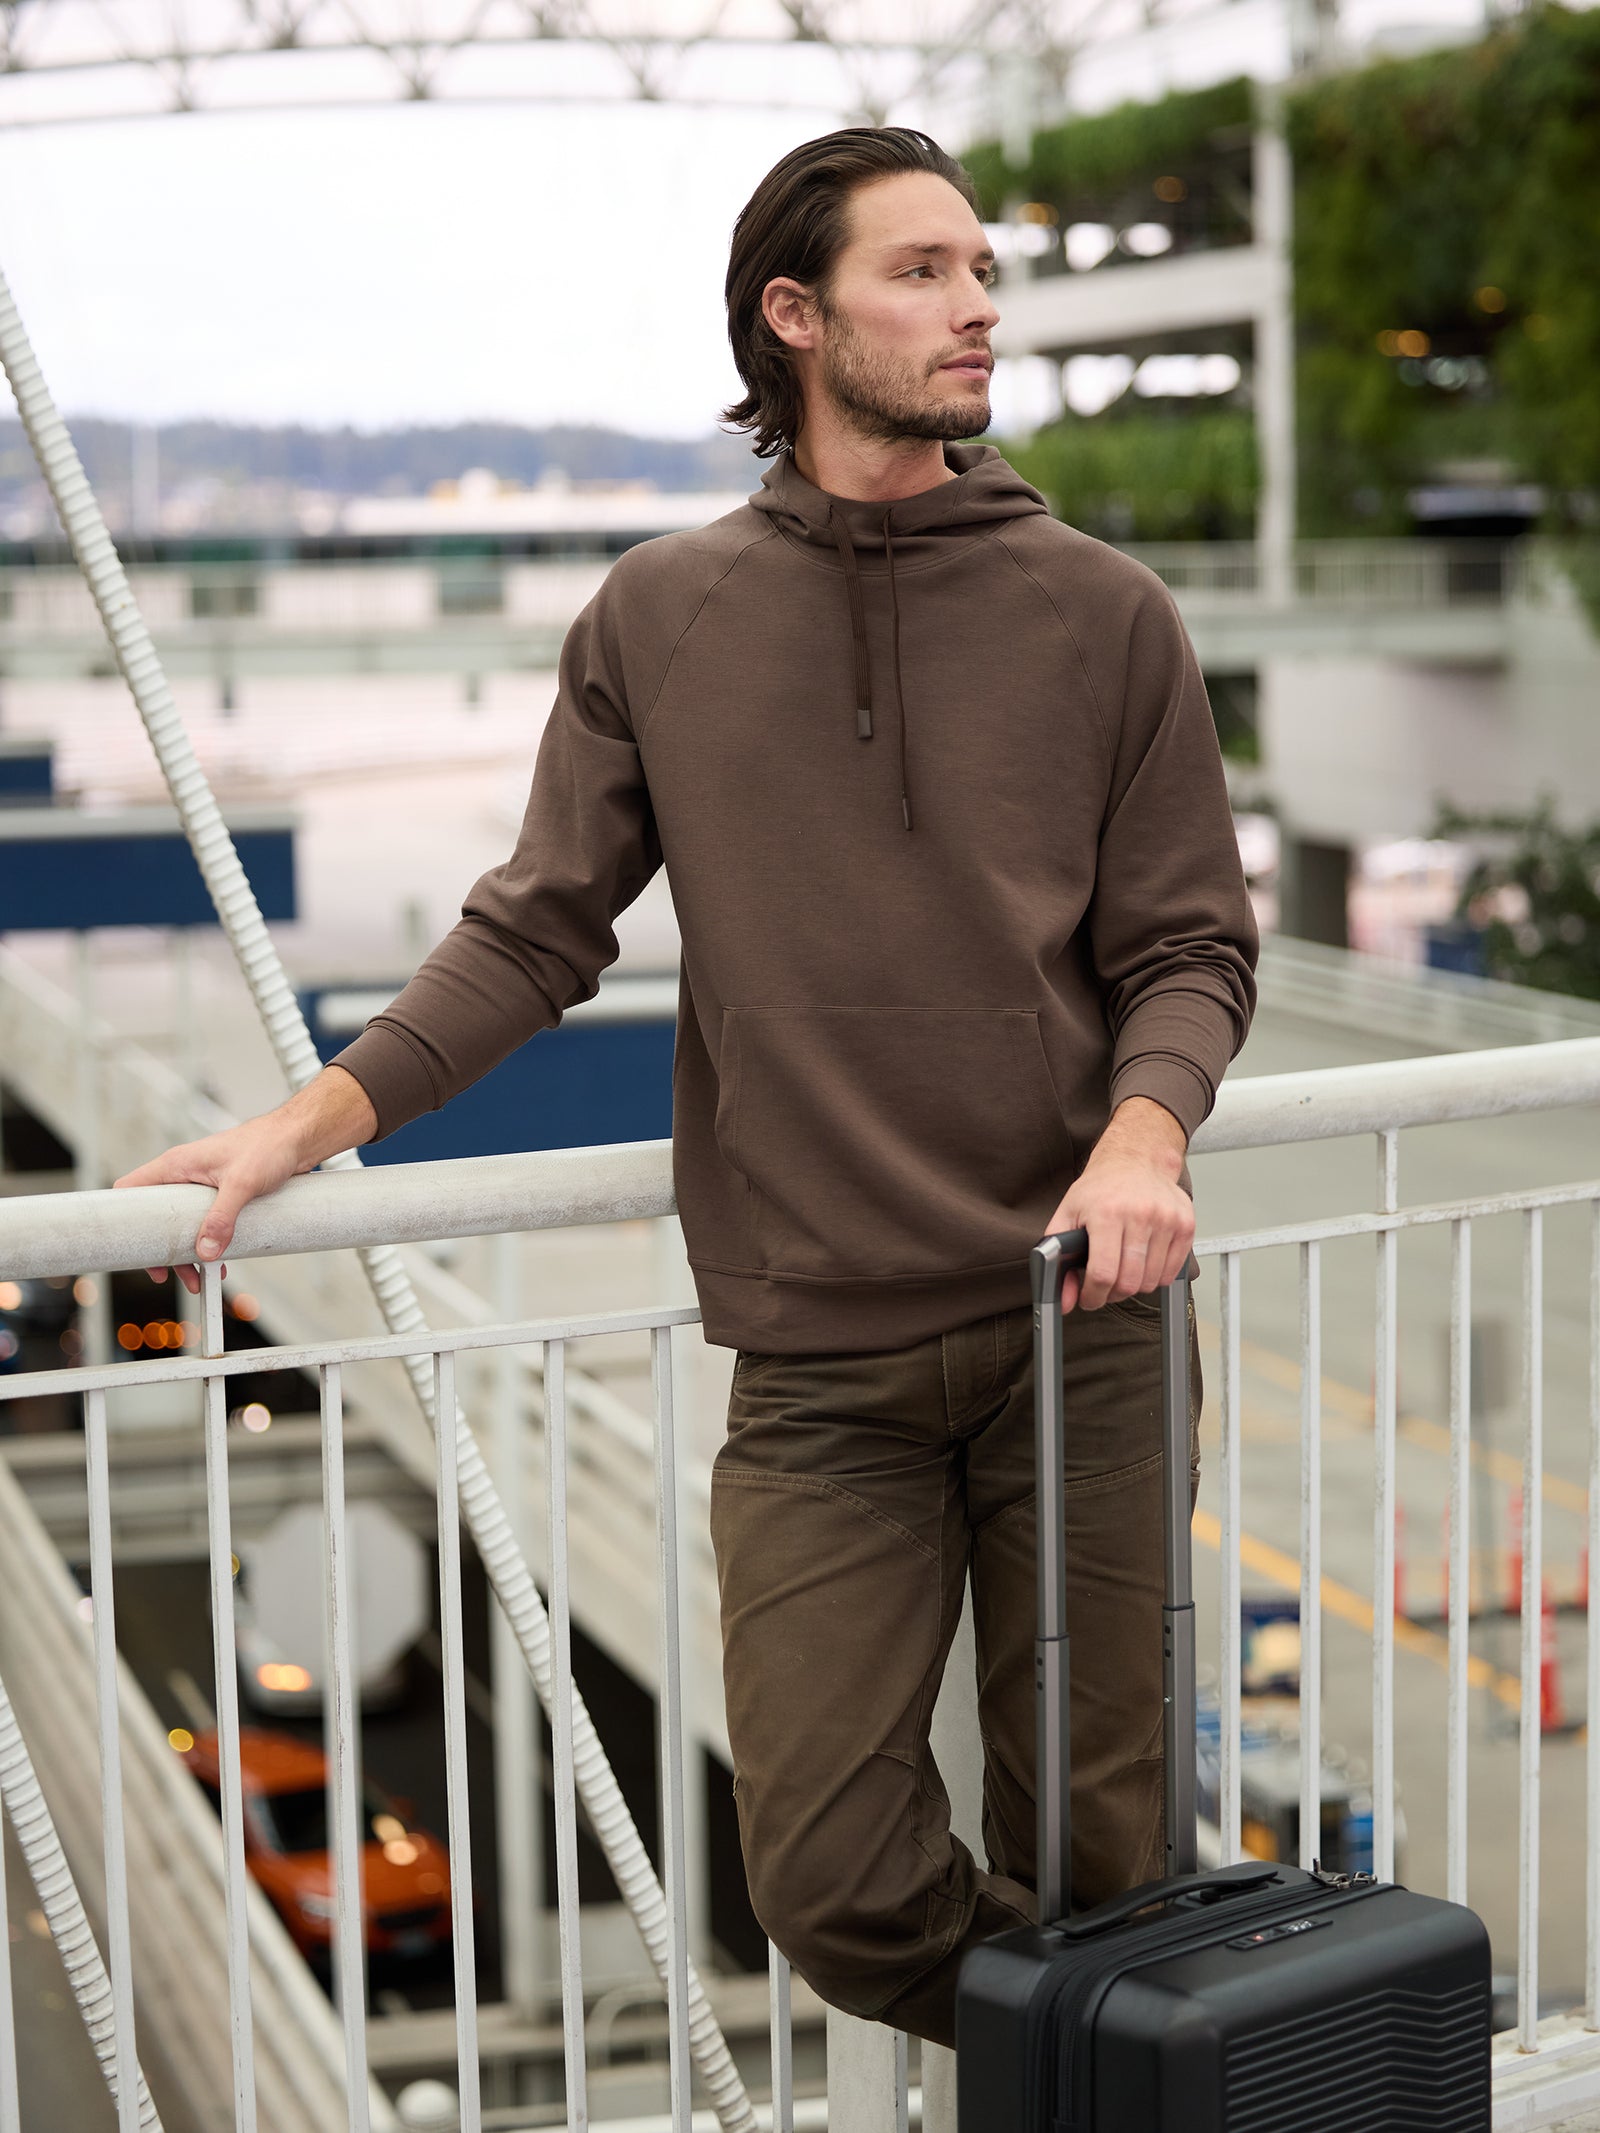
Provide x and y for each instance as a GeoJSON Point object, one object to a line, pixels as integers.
{"type": "Point", "coordinates": [886, 400]}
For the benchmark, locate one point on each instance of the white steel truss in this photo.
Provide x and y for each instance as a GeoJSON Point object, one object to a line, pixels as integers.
{"type": "Point", "coordinates": [1001, 61]}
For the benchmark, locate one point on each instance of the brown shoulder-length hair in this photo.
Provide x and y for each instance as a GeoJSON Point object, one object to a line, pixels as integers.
{"type": "Point", "coordinates": [795, 225]}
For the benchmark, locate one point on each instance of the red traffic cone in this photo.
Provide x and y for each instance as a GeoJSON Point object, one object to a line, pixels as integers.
{"type": "Point", "coordinates": [1552, 1708]}
{"type": "Point", "coordinates": [1514, 1566]}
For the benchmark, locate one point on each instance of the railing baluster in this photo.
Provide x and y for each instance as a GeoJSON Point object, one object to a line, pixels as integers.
{"type": "Point", "coordinates": [225, 1669]}
{"type": "Point", "coordinates": [1383, 1516]}
{"type": "Point", "coordinates": [454, 1669]}
{"type": "Point", "coordinates": [1459, 1570]}
{"type": "Point", "coordinates": [1532, 1627]}
{"type": "Point", "coordinates": [782, 2027]}
{"type": "Point", "coordinates": [566, 1804]}
{"type": "Point", "coordinates": [10, 2106]}
{"type": "Point", "coordinates": [1591, 1618]}
{"type": "Point", "coordinates": [518, 1780]}
{"type": "Point", "coordinates": [346, 1823]}
{"type": "Point", "coordinates": [1310, 1552]}
{"type": "Point", "coordinates": [868, 2089]}
{"type": "Point", "coordinates": [119, 1949]}
{"type": "Point", "coordinates": [1230, 1810]}
{"type": "Point", "coordinates": [671, 1718]}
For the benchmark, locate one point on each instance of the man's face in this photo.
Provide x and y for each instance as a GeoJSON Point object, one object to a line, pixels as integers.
{"type": "Point", "coordinates": [903, 348]}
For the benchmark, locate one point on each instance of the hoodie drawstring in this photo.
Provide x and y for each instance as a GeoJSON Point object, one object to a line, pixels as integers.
{"type": "Point", "coordinates": [858, 623]}
{"type": "Point", "coordinates": [894, 639]}
{"type": "Point", "coordinates": [858, 632]}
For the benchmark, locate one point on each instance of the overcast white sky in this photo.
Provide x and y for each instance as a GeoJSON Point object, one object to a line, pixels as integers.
{"type": "Point", "coordinates": [432, 263]}
{"type": "Point", "coordinates": [404, 263]}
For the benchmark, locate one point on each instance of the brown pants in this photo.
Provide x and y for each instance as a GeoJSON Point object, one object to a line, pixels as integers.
{"type": "Point", "coordinates": [852, 1499]}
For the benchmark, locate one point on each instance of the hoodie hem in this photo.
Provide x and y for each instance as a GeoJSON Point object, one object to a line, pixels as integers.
{"type": "Point", "coordinates": [781, 1316]}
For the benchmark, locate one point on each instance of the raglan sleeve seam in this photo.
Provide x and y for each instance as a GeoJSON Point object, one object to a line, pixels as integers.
{"type": "Point", "coordinates": [722, 575]}
{"type": "Point", "coordinates": [1047, 595]}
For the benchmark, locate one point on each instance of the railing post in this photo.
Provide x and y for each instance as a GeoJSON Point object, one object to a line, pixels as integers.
{"type": "Point", "coordinates": [1459, 1569]}
{"type": "Point", "coordinates": [1310, 1552]}
{"type": "Point", "coordinates": [10, 2108]}
{"type": "Point", "coordinates": [938, 2089]}
{"type": "Point", "coordinates": [518, 1788]}
{"type": "Point", "coordinates": [219, 1550]}
{"type": "Point", "coordinates": [867, 2085]}
{"type": "Point", "coordinates": [1591, 1618]}
{"type": "Point", "coordinates": [1230, 1808]}
{"type": "Point", "coordinates": [94, 1316]}
{"type": "Point", "coordinates": [1386, 1306]}
{"type": "Point", "coordinates": [1531, 1717]}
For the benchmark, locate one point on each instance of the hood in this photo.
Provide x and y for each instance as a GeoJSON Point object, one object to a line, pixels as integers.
{"type": "Point", "coordinates": [911, 529]}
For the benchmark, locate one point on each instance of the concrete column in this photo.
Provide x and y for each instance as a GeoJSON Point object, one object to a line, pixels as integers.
{"type": "Point", "coordinates": [868, 2090]}
{"type": "Point", "coordinates": [1273, 188]}
{"type": "Point", "coordinates": [187, 1022]}
{"type": "Point", "coordinates": [1314, 890]}
{"type": "Point", "coordinates": [938, 2089]}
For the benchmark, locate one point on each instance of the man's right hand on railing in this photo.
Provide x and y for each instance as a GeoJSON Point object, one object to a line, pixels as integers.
{"type": "Point", "coordinates": [329, 1114]}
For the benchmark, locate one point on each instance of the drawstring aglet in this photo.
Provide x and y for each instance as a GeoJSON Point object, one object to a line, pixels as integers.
{"type": "Point", "coordinates": [905, 809]}
{"type": "Point", "coordinates": [863, 722]}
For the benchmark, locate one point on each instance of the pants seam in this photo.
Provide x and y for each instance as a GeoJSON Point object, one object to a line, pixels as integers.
{"type": "Point", "coordinates": [819, 1485]}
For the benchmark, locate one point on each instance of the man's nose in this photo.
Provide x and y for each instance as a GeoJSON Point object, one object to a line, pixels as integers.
{"type": "Point", "coordinates": [981, 315]}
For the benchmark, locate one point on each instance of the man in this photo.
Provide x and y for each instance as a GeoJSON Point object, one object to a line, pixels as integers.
{"type": "Point", "coordinates": [966, 951]}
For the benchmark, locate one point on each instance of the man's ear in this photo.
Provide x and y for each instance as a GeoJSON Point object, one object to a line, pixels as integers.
{"type": "Point", "coordinates": [790, 309]}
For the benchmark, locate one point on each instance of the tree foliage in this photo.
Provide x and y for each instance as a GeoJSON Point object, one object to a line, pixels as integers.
{"type": "Point", "coordinates": [1535, 895]}
{"type": "Point", "coordinates": [1145, 473]}
{"type": "Point", "coordinates": [1451, 198]}
{"type": "Point", "coordinates": [1080, 163]}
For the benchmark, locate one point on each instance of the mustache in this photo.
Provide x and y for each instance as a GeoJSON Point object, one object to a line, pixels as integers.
{"type": "Point", "coordinates": [961, 348]}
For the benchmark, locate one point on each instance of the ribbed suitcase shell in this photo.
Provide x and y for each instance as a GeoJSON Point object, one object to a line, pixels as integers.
{"type": "Point", "coordinates": [1375, 2022]}
{"type": "Point", "coordinates": [1259, 1998]}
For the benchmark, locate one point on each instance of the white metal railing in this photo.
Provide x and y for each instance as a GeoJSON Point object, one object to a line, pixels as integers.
{"type": "Point", "coordinates": [42, 1235]}
{"type": "Point", "coordinates": [1365, 574]}
{"type": "Point", "coordinates": [50, 604]}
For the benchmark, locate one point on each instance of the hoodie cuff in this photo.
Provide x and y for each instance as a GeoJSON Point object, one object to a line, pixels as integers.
{"type": "Point", "coordinates": [393, 1073]}
{"type": "Point", "coordinates": [1178, 1088]}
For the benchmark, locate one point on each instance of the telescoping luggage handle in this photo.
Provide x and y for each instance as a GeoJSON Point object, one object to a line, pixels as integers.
{"type": "Point", "coordinates": [1062, 1252]}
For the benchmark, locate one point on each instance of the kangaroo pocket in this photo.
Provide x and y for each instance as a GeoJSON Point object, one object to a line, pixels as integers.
{"type": "Point", "coordinates": [884, 1143]}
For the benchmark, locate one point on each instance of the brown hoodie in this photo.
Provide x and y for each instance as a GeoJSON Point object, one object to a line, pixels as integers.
{"type": "Point", "coordinates": [939, 797]}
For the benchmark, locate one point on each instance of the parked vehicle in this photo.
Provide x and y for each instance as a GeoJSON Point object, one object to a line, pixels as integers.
{"type": "Point", "coordinates": [405, 1870]}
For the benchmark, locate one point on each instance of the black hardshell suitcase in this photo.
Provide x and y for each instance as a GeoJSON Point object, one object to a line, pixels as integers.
{"type": "Point", "coordinates": [1255, 1998]}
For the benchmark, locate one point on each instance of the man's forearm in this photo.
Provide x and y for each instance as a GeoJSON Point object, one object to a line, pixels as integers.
{"type": "Point", "coordinates": [1141, 1130]}
{"type": "Point", "coordinates": [329, 1114]}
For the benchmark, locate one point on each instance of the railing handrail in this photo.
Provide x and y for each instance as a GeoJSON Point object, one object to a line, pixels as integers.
{"type": "Point", "coordinates": [1361, 547]}
{"type": "Point", "coordinates": [44, 1234]}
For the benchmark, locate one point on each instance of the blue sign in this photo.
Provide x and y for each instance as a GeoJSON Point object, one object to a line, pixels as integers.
{"type": "Point", "coordinates": [67, 868]}
{"type": "Point", "coordinates": [603, 1074]}
{"type": "Point", "coordinates": [26, 774]}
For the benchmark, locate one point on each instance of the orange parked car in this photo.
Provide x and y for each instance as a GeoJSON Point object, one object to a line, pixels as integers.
{"type": "Point", "coordinates": [405, 1871]}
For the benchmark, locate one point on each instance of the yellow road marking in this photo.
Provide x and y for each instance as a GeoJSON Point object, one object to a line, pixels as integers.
{"type": "Point", "coordinates": [1339, 1600]}
{"type": "Point", "coordinates": [1284, 1371]}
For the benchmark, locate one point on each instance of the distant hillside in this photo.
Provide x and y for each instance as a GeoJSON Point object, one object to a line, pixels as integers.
{"type": "Point", "coordinates": [237, 473]}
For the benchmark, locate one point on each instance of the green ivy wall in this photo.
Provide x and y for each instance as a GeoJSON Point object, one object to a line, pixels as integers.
{"type": "Point", "coordinates": [1447, 231]}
